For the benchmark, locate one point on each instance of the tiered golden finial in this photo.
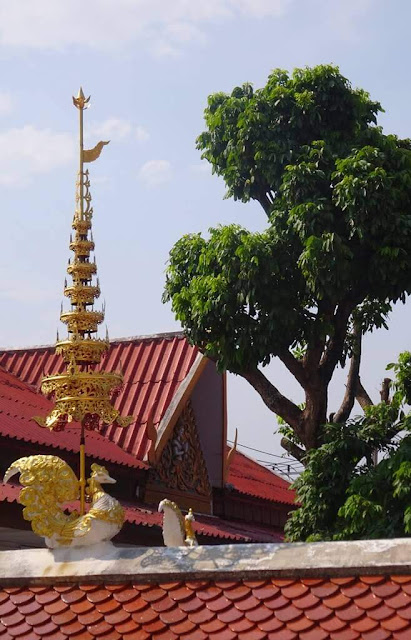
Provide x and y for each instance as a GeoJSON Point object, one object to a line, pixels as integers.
{"type": "Point", "coordinates": [82, 322]}
{"type": "Point", "coordinates": [82, 393]}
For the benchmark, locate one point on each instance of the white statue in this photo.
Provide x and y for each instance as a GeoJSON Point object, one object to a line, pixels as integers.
{"type": "Point", "coordinates": [177, 530]}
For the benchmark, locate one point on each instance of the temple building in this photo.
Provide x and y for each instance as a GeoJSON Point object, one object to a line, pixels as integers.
{"type": "Point", "coordinates": [175, 449]}
{"type": "Point", "coordinates": [152, 410]}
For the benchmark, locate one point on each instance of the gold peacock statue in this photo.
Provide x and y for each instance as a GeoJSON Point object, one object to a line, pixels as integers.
{"type": "Point", "coordinates": [48, 482]}
{"type": "Point", "coordinates": [177, 530]}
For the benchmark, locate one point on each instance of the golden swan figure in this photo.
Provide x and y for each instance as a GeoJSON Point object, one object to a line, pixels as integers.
{"type": "Point", "coordinates": [48, 482]}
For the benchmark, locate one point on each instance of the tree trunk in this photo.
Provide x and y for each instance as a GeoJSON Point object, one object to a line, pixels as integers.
{"type": "Point", "coordinates": [306, 422]}
{"type": "Point", "coordinates": [313, 373]}
{"type": "Point", "coordinates": [315, 412]}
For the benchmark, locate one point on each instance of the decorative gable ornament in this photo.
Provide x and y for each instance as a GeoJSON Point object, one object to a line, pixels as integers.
{"type": "Point", "coordinates": [182, 465]}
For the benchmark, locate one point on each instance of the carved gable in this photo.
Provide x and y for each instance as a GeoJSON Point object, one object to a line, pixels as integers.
{"type": "Point", "coordinates": [182, 466]}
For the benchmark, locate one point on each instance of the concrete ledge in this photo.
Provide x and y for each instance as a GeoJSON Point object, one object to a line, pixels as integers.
{"type": "Point", "coordinates": [106, 563]}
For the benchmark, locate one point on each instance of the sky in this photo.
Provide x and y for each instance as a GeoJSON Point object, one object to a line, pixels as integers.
{"type": "Point", "coordinates": [149, 66]}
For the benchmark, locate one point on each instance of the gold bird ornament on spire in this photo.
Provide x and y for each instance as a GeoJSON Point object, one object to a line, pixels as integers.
{"type": "Point", "coordinates": [89, 155]}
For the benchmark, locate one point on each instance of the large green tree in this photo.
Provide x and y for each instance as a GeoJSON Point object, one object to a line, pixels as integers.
{"type": "Point", "coordinates": [335, 253]}
{"type": "Point", "coordinates": [345, 492]}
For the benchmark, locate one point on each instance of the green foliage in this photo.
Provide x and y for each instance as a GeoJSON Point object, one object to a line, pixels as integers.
{"type": "Point", "coordinates": [402, 371]}
{"type": "Point", "coordinates": [343, 494]}
{"type": "Point", "coordinates": [253, 136]}
{"type": "Point", "coordinates": [231, 292]}
{"type": "Point", "coordinates": [337, 195]}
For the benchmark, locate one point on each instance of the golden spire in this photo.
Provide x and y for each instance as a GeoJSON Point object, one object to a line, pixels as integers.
{"type": "Point", "coordinates": [82, 393]}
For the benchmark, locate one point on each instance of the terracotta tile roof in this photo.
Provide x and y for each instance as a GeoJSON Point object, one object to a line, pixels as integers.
{"type": "Point", "coordinates": [19, 403]}
{"type": "Point", "coordinates": [252, 479]}
{"type": "Point", "coordinates": [369, 607]}
{"type": "Point", "coordinates": [153, 368]}
{"type": "Point", "coordinates": [236, 530]}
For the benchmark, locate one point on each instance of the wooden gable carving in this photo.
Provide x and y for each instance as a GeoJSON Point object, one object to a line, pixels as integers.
{"type": "Point", "coordinates": [181, 469]}
{"type": "Point", "coordinates": [182, 465]}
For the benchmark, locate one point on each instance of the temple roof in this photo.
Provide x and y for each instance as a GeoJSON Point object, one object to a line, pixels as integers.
{"type": "Point", "coordinates": [19, 403]}
{"type": "Point", "coordinates": [153, 367]}
{"type": "Point", "coordinates": [252, 479]}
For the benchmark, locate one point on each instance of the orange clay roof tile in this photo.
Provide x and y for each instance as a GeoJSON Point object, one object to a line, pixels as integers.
{"type": "Point", "coordinates": [103, 612]}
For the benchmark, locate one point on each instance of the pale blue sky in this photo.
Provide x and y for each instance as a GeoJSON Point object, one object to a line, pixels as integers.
{"type": "Point", "coordinates": [149, 66]}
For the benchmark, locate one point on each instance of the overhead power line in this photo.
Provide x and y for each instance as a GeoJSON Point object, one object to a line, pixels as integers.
{"type": "Point", "coordinates": [266, 453]}
{"type": "Point", "coordinates": [288, 467]}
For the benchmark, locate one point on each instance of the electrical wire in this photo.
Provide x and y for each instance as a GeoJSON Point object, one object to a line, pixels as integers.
{"type": "Point", "coordinates": [289, 467]}
{"type": "Point", "coordinates": [266, 453]}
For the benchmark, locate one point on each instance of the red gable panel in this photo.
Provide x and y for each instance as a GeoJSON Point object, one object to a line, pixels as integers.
{"type": "Point", "coordinates": [252, 479]}
{"type": "Point", "coordinates": [353, 608]}
{"type": "Point", "coordinates": [153, 369]}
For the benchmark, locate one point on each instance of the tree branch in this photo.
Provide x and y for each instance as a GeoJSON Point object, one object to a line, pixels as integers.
{"type": "Point", "coordinates": [264, 200]}
{"type": "Point", "coordinates": [347, 404]}
{"type": "Point", "coordinates": [293, 449]}
{"type": "Point", "coordinates": [294, 366]}
{"type": "Point", "coordinates": [315, 348]}
{"type": "Point", "coordinates": [385, 390]}
{"type": "Point", "coordinates": [273, 399]}
{"type": "Point", "coordinates": [362, 396]}
{"type": "Point", "coordinates": [335, 345]}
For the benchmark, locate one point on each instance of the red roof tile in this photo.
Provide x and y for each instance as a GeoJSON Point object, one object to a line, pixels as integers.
{"type": "Point", "coordinates": [19, 403]}
{"type": "Point", "coordinates": [153, 369]}
{"type": "Point", "coordinates": [191, 610]}
{"type": "Point", "coordinates": [252, 479]}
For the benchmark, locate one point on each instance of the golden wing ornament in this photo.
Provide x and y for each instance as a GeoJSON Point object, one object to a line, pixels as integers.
{"type": "Point", "coordinates": [89, 155]}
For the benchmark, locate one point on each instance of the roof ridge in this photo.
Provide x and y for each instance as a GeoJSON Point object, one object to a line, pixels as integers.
{"type": "Point", "coordinates": [167, 335]}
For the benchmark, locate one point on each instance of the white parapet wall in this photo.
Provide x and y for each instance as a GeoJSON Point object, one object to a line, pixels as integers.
{"type": "Point", "coordinates": [107, 563]}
